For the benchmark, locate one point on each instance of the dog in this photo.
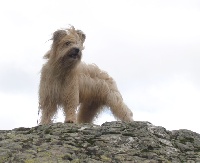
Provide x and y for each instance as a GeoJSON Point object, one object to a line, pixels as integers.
{"type": "Point", "coordinates": [81, 89]}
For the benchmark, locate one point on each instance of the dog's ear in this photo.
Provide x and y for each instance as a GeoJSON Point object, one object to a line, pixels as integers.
{"type": "Point", "coordinates": [59, 34]}
{"type": "Point", "coordinates": [81, 35]}
{"type": "Point", "coordinates": [47, 55]}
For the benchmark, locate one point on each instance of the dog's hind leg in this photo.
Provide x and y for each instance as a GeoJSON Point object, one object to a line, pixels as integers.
{"type": "Point", "coordinates": [88, 111]}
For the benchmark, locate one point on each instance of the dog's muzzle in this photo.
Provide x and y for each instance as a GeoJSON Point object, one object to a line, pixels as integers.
{"type": "Point", "coordinates": [75, 53]}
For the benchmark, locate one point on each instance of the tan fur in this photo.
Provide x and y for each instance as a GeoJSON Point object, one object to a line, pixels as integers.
{"type": "Point", "coordinates": [67, 83]}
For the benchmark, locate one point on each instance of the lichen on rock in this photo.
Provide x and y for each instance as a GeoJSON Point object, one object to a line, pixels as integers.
{"type": "Point", "coordinates": [88, 143]}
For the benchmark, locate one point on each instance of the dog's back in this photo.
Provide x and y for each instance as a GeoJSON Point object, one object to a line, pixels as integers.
{"type": "Point", "coordinates": [94, 83]}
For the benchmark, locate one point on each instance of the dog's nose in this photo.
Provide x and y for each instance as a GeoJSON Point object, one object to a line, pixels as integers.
{"type": "Point", "coordinates": [76, 50]}
{"type": "Point", "coordinates": [74, 53]}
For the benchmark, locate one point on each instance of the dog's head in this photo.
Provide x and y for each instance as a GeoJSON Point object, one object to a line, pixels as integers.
{"type": "Point", "coordinates": [67, 47]}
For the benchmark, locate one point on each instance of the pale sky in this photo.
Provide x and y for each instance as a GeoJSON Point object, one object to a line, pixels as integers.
{"type": "Point", "coordinates": [151, 48]}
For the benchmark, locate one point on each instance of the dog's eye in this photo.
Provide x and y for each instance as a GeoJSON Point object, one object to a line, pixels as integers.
{"type": "Point", "coordinates": [67, 43]}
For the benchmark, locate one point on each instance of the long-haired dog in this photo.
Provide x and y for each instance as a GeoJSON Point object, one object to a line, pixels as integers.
{"type": "Point", "coordinates": [82, 90]}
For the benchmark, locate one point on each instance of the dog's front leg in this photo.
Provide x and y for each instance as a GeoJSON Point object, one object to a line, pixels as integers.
{"type": "Point", "coordinates": [70, 114]}
{"type": "Point", "coordinates": [70, 106]}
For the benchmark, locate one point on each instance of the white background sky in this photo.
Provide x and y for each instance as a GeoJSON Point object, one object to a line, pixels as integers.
{"type": "Point", "coordinates": [150, 47]}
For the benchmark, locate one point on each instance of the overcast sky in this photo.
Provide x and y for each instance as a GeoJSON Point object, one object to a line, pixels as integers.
{"type": "Point", "coordinates": [151, 48]}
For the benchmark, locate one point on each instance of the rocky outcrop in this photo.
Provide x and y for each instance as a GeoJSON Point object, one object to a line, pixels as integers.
{"type": "Point", "coordinates": [86, 143]}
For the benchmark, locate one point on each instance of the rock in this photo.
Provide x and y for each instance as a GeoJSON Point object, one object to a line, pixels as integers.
{"type": "Point", "coordinates": [88, 143]}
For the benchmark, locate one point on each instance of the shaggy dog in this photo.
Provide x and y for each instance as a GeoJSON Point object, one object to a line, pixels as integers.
{"type": "Point", "coordinates": [82, 90]}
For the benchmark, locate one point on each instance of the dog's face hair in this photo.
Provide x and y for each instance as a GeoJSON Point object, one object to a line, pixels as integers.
{"type": "Point", "coordinates": [67, 47]}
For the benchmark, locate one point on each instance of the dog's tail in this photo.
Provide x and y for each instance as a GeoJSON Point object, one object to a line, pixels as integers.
{"type": "Point", "coordinates": [118, 107]}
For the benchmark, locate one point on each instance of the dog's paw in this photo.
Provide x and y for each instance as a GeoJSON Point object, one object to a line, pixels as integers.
{"type": "Point", "coordinates": [69, 121]}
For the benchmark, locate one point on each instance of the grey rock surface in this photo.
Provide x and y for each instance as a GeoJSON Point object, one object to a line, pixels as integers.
{"type": "Point", "coordinates": [87, 143]}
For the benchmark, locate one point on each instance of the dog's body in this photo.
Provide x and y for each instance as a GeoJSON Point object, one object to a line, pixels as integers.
{"type": "Point", "coordinates": [67, 82]}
